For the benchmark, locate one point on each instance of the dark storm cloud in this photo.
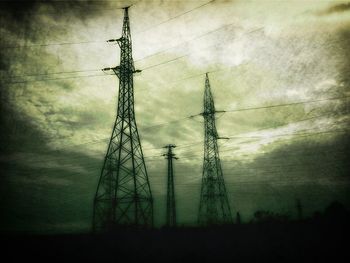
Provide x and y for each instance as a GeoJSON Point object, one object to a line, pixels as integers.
{"type": "Point", "coordinates": [19, 25]}
{"type": "Point", "coordinates": [32, 185]}
{"type": "Point", "coordinates": [312, 170]}
{"type": "Point", "coordinates": [21, 10]}
{"type": "Point", "coordinates": [18, 11]}
{"type": "Point", "coordinates": [316, 159]}
{"type": "Point", "coordinates": [48, 191]}
{"type": "Point", "coordinates": [336, 9]}
{"type": "Point", "coordinates": [17, 132]}
{"type": "Point", "coordinates": [19, 17]}
{"type": "Point", "coordinates": [344, 65]}
{"type": "Point", "coordinates": [59, 185]}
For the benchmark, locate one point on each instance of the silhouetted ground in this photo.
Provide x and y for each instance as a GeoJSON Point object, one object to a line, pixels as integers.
{"type": "Point", "coordinates": [324, 238]}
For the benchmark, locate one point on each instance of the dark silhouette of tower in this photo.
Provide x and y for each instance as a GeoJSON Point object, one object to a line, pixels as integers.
{"type": "Point", "coordinates": [123, 196]}
{"type": "Point", "coordinates": [214, 208]}
{"type": "Point", "coordinates": [170, 200]}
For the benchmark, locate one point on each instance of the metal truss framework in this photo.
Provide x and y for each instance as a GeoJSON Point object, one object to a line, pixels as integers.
{"type": "Point", "coordinates": [214, 207]}
{"type": "Point", "coordinates": [123, 196]}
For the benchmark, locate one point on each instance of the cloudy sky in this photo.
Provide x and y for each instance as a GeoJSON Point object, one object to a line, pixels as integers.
{"type": "Point", "coordinates": [280, 70]}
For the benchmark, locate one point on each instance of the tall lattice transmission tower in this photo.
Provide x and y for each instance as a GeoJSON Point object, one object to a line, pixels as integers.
{"type": "Point", "coordinates": [214, 207]}
{"type": "Point", "coordinates": [123, 196]}
{"type": "Point", "coordinates": [171, 208]}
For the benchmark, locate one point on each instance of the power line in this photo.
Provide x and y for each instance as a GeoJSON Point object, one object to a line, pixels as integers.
{"type": "Point", "coordinates": [329, 113]}
{"type": "Point", "coordinates": [174, 59]}
{"type": "Point", "coordinates": [295, 153]}
{"type": "Point", "coordinates": [202, 73]}
{"type": "Point", "coordinates": [164, 62]}
{"type": "Point", "coordinates": [256, 168]}
{"type": "Point", "coordinates": [266, 170]}
{"type": "Point", "coordinates": [299, 154]}
{"type": "Point", "coordinates": [192, 39]}
{"type": "Point", "coordinates": [293, 176]}
{"type": "Point", "coordinates": [179, 57]}
{"type": "Point", "coordinates": [190, 144]}
{"type": "Point", "coordinates": [37, 12]}
{"type": "Point", "coordinates": [265, 128]}
{"type": "Point", "coordinates": [296, 135]}
{"type": "Point", "coordinates": [50, 79]}
{"type": "Point", "coordinates": [293, 134]}
{"type": "Point", "coordinates": [95, 70]}
{"type": "Point", "coordinates": [54, 73]}
{"type": "Point", "coordinates": [287, 104]}
{"type": "Point", "coordinates": [177, 16]}
{"type": "Point", "coordinates": [279, 105]}
{"type": "Point", "coordinates": [53, 44]}
{"type": "Point", "coordinates": [79, 71]}
{"type": "Point", "coordinates": [304, 102]}
{"type": "Point", "coordinates": [106, 138]}
{"type": "Point", "coordinates": [152, 66]}
{"type": "Point", "coordinates": [143, 128]}
{"type": "Point", "coordinates": [275, 182]}
{"type": "Point", "coordinates": [289, 178]}
{"type": "Point", "coordinates": [280, 135]}
{"type": "Point", "coordinates": [260, 170]}
{"type": "Point", "coordinates": [93, 42]}
{"type": "Point", "coordinates": [164, 123]}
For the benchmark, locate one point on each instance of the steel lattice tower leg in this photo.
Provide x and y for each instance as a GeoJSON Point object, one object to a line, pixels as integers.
{"type": "Point", "coordinates": [171, 208]}
{"type": "Point", "coordinates": [214, 207]}
{"type": "Point", "coordinates": [123, 196]}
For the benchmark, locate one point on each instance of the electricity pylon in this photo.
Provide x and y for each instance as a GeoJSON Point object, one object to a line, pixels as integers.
{"type": "Point", "coordinates": [170, 200]}
{"type": "Point", "coordinates": [214, 207]}
{"type": "Point", "coordinates": [123, 196]}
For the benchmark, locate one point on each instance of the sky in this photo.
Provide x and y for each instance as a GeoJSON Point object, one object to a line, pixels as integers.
{"type": "Point", "coordinates": [280, 70]}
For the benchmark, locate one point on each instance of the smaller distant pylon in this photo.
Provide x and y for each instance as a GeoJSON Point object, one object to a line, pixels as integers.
{"type": "Point", "coordinates": [171, 206]}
